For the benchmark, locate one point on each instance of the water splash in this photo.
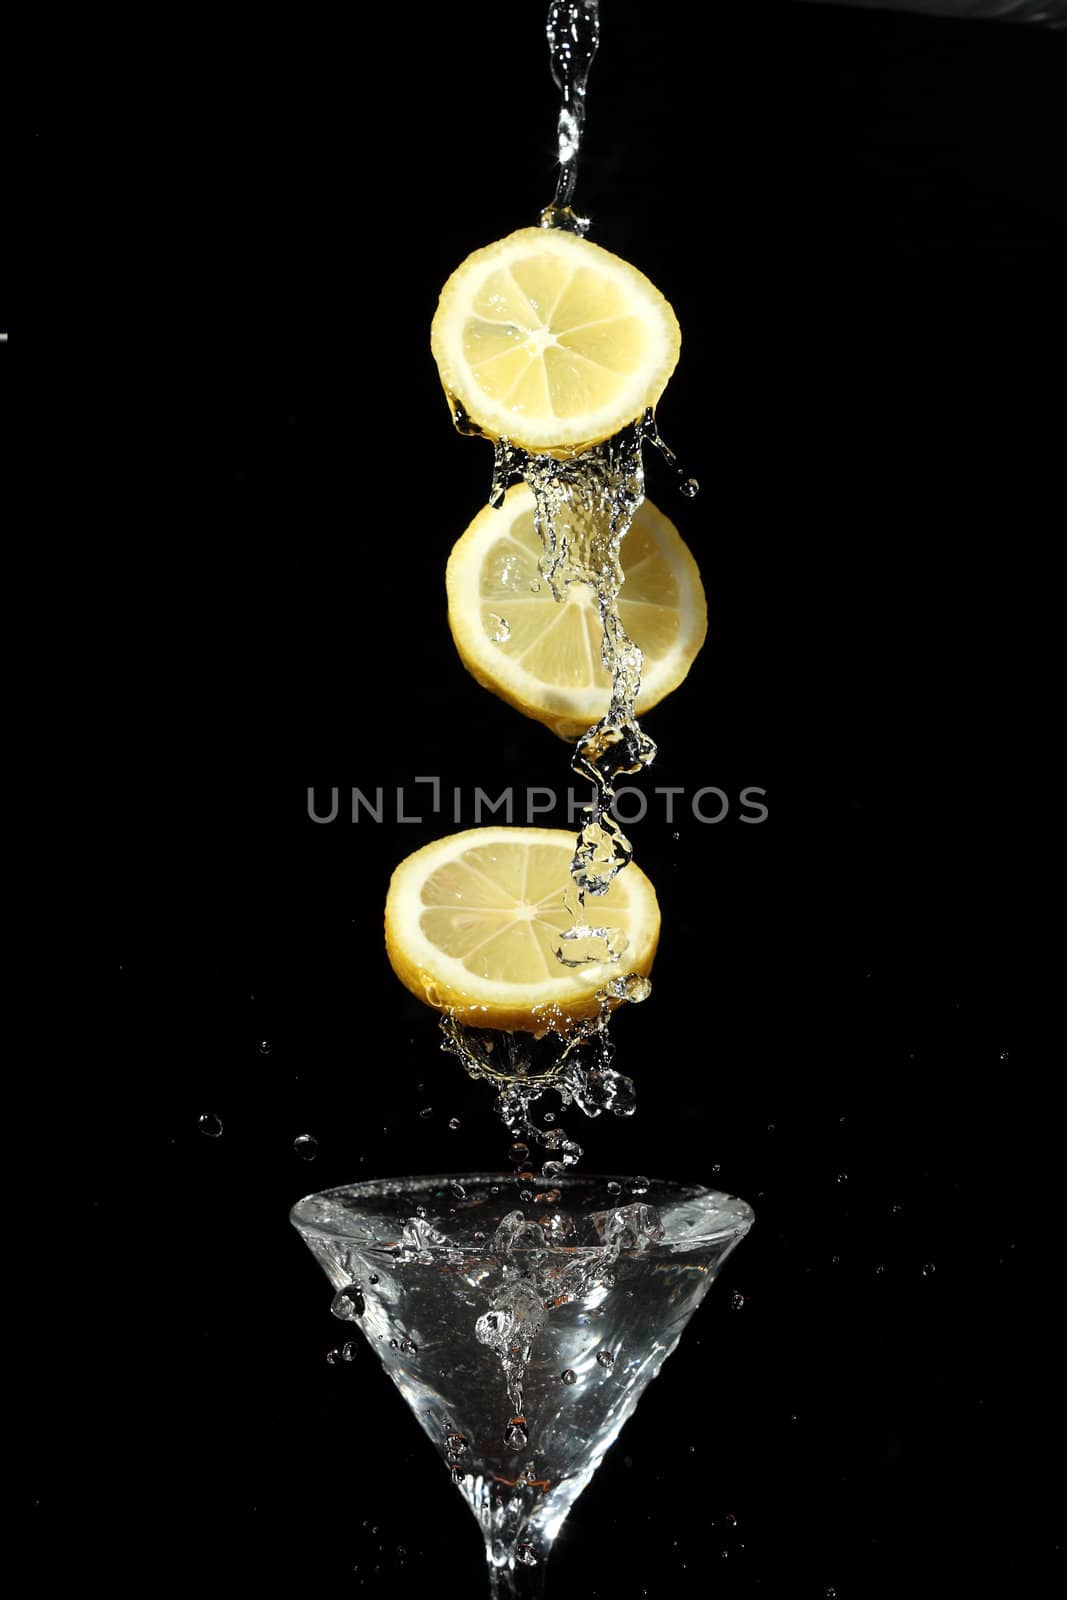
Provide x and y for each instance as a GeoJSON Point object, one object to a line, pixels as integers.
{"type": "Point", "coordinates": [573, 33]}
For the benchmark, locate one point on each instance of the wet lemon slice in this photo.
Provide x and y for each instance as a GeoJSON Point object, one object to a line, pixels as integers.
{"type": "Point", "coordinates": [552, 342]}
{"type": "Point", "coordinates": [543, 656]}
{"type": "Point", "coordinates": [472, 923]}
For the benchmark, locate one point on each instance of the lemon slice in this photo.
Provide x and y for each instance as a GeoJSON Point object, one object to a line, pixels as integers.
{"type": "Point", "coordinates": [552, 342]}
{"type": "Point", "coordinates": [543, 656]}
{"type": "Point", "coordinates": [472, 923]}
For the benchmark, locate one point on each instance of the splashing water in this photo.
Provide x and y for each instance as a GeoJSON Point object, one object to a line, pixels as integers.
{"type": "Point", "coordinates": [573, 32]}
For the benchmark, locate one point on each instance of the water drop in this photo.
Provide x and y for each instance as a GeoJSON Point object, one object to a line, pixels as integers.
{"type": "Point", "coordinates": [737, 1300]}
{"type": "Point", "coordinates": [499, 628]}
{"type": "Point", "coordinates": [453, 1124]}
{"type": "Point", "coordinates": [569, 1377]}
{"type": "Point", "coordinates": [527, 1555]}
{"type": "Point", "coordinates": [639, 1186]}
{"type": "Point", "coordinates": [348, 1303]}
{"type": "Point", "coordinates": [348, 1351]}
{"type": "Point", "coordinates": [549, 1118]}
{"type": "Point", "coordinates": [614, 1188]}
{"type": "Point", "coordinates": [210, 1124]}
{"type": "Point", "coordinates": [842, 1177]}
{"type": "Point", "coordinates": [409, 1347]}
{"type": "Point", "coordinates": [1004, 1055]}
{"type": "Point", "coordinates": [553, 1169]}
{"type": "Point", "coordinates": [515, 1435]}
{"type": "Point", "coordinates": [306, 1147]}
{"type": "Point", "coordinates": [690, 488]}
{"type": "Point", "coordinates": [929, 1270]}
{"type": "Point", "coordinates": [373, 1278]}
{"type": "Point", "coordinates": [264, 1047]}
{"type": "Point", "coordinates": [458, 1191]}
{"type": "Point", "coordinates": [394, 1344]}
{"type": "Point", "coordinates": [427, 1111]}
{"type": "Point", "coordinates": [457, 1443]}
{"type": "Point", "coordinates": [520, 1152]}
{"type": "Point", "coordinates": [333, 1357]}
{"type": "Point", "coordinates": [606, 1359]}
{"type": "Point", "coordinates": [526, 1195]}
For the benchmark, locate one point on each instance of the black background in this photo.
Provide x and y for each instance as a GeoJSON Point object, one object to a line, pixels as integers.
{"type": "Point", "coordinates": [858, 219]}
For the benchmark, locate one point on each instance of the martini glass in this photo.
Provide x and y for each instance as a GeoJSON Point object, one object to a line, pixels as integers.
{"type": "Point", "coordinates": [521, 1321]}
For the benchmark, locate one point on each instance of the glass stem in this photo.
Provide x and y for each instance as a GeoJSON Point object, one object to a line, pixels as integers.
{"type": "Point", "coordinates": [512, 1579]}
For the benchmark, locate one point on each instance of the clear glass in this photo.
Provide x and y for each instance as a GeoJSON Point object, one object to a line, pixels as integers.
{"type": "Point", "coordinates": [553, 1312]}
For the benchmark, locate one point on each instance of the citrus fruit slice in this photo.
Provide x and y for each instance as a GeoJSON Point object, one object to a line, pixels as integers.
{"type": "Point", "coordinates": [543, 656]}
{"type": "Point", "coordinates": [552, 342]}
{"type": "Point", "coordinates": [473, 921]}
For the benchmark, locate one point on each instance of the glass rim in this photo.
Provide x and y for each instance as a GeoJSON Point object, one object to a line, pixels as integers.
{"type": "Point", "coordinates": [732, 1219]}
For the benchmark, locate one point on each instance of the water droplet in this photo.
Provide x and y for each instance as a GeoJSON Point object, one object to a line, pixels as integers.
{"type": "Point", "coordinates": [453, 1123]}
{"type": "Point", "coordinates": [929, 1269]}
{"type": "Point", "coordinates": [894, 1211]}
{"type": "Point", "coordinates": [614, 1188]}
{"type": "Point", "coordinates": [526, 1195]}
{"type": "Point", "coordinates": [520, 1152]}
{"type": "Point", "coordinates": [409, 1347]}
{"type": "Point", "coordinates": [373, 1278]}
{"type": "Point", "coordinates": [879, 1270]}
{"type": "Point", "coordinates": [606, 1359]}
{"type": "Point", "coordinates": [210, 1124]}
{"type": "Point", "coordinates": [348, 1351]}
{"type": "Point", "coordinates": [1004, 1055]}
{"type": "Point", "coordinates": [427, 1111]}
{"type": "Point", "coordinates": [306, 1147]}
{"type": "Point", "coordinates": [333, 1357]}
{"type": "Point", "coordinates": [515, 1435]}
{"type": "Point", "coordinates": [830, 1592]}
{"type": "Point", "coordinates": [690, 488]}
{"type": "Point", "coordinates": [264, 1047]}
{"type": "Point", "coordinates": [737, 1300]}
{"type": "Point", "coordinates": [553, 1169]}
{"type": "Point", "coordinates": [394, 1344]}
{"type": "Point", "coordinates": [527, 1555]}
{"type": "Point", "coordinates": [842, 1177]}
{"type": "Point", "coordinates": [568, 1377]}
{"type": "Point", "coordinates": [549, 1118]}
{"type": "Point", "coordinates": [639, 1186]}
{"type": "Point", "coordinates": [348, 1303]}
{"type": "Point", "coordinates": [458, 1191]}
{"type": "Point", "coordinates": [499, 628]}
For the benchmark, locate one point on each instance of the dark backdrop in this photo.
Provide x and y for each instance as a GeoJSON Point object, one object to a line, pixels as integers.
{"type": "Point", "coordinates": [858, 220]}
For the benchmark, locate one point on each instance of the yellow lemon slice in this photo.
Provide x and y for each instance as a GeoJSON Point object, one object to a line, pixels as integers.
{"type": "Point", "coordinates": [552, 342]}
{"type": "Point", "coordinates": [472, 923]}
{"type": "Point", "coordinates": [543, 656]}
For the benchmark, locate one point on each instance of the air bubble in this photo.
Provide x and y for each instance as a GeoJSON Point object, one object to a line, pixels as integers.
{"type": "Point", "coordinates": [427, 1111]}
{"type": "Point", "coordinates": [569, 1377]}
{"type": "Point", "coordinates": [614, 1188]}
{"type": "Point", "coordinates": [737, 1300]}
{"type": "Point", "coordinates": [264, 1047]}
{"type": "Point", "coordinates": [453, 1124]}
{"type": "Point", "coordinates": [929, 1269]}
{"type": "Point", "coordinates": [409, 1347]}
{"type": "Point", "coordinates": [606, 1359]}
{"type": "Point", "coordinates": [306, 1146]}
{"type": "Point", "coordinates": [348, 1303]}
